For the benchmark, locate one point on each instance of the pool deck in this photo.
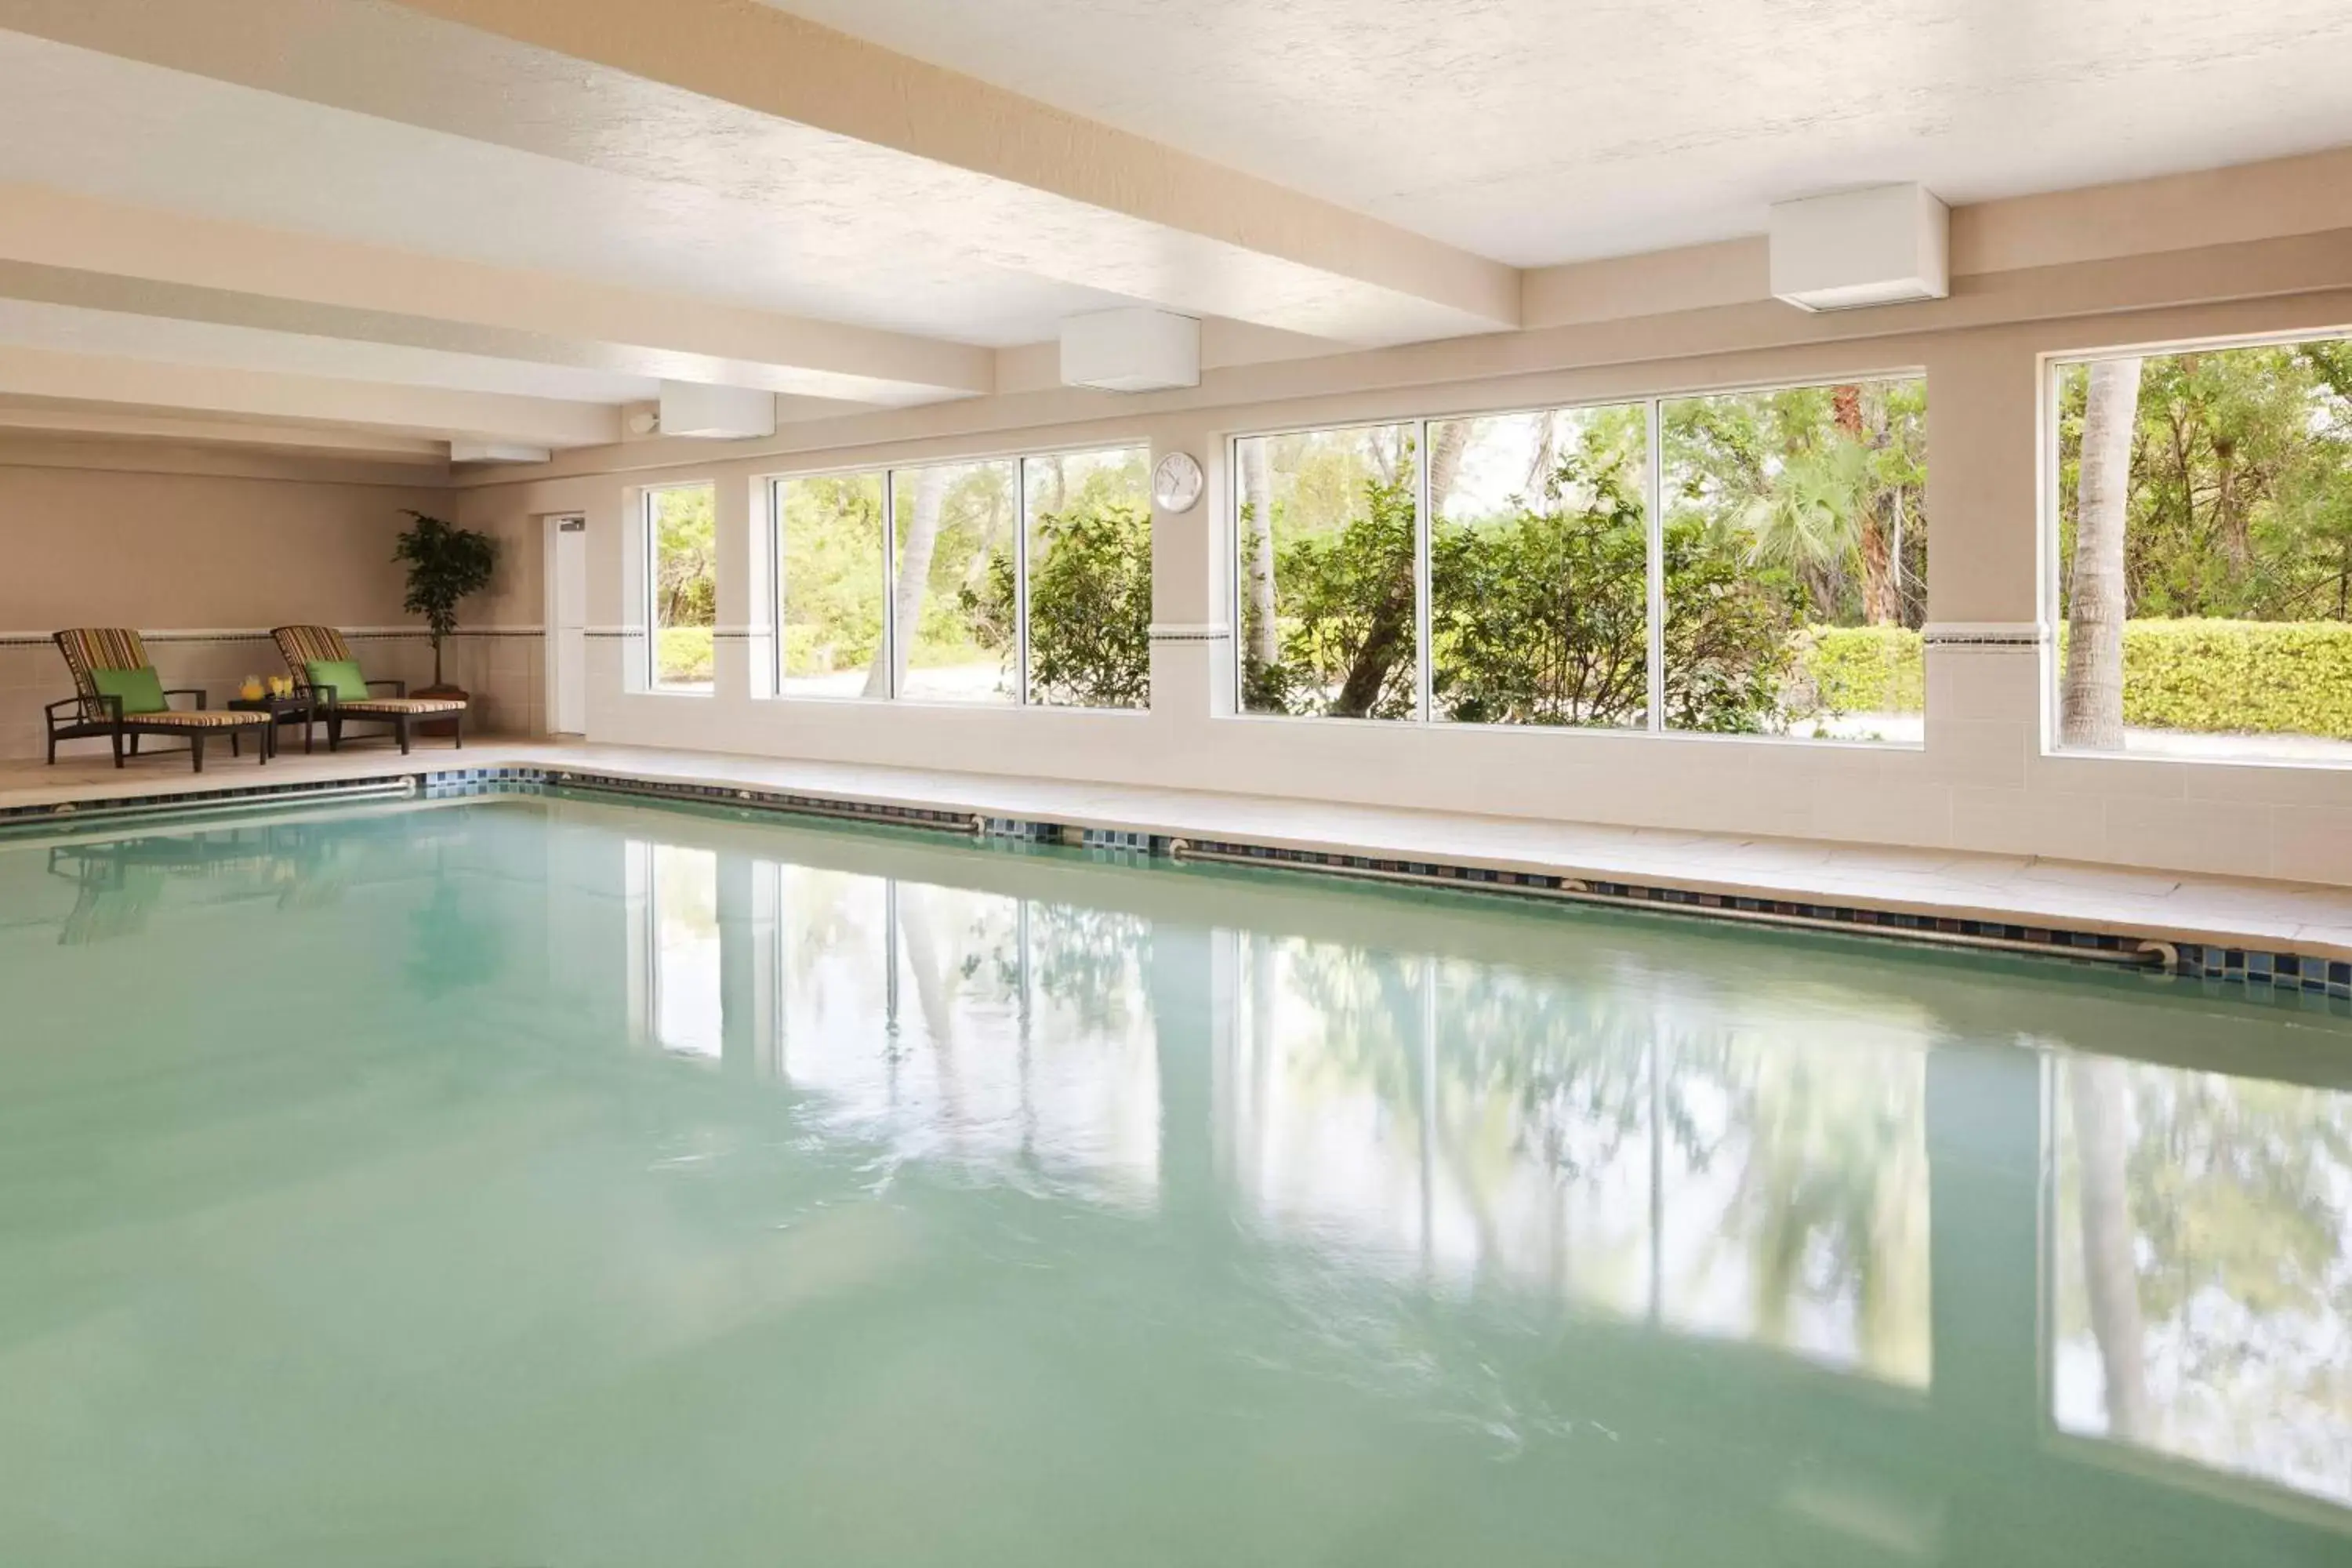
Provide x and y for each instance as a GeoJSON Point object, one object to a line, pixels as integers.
{"type": "Point", "coordinates": [2224, 912]}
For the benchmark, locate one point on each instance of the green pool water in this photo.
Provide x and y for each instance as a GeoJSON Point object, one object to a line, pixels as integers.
{"type": "Point", "coordinates": [553, 1181]}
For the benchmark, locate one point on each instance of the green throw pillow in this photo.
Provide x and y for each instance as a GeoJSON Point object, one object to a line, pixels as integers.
{"type": "Point", "coordinates": [340, 677]}
{"type": "Point", "coordinates": [141, 690]}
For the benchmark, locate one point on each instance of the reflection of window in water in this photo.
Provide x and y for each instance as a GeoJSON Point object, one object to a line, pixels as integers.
{"type": "Point", "coordinates": [685, 915]}
{"type": "Point", "coordinates": [1484, 1127]}
{"type": "Point", "coordinates": [2202, 1268]}
{"type": "Point", "coordinates": [980, 1029]}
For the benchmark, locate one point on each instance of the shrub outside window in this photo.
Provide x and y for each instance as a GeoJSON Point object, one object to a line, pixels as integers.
{"type": "Point", "coordinates": [2204, 553]}
{"type": "Point", "coordinates": [682, 585]}
{"type": "Point", "coordinates": [1528, 575]}
{"type": "Point", "coordinates": [1014, 581]}
{"type": "Point", "coordinates": [1329, 529]}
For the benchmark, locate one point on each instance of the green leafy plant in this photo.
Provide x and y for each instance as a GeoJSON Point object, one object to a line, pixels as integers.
{"type": "Point", "coordinates": [446, 564]}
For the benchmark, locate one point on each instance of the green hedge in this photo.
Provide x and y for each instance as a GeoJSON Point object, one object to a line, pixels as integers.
{"type": "Point", "coordinates": [2270, 677]}
{"type": "Point", "coordinates": [684, 654]}
{"type": "Point", "coordinates": [1860, 669]}
{"type": "Point", "coordinates": [2263, 678]}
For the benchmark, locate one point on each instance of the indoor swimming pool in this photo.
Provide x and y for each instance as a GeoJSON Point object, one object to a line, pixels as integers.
{"type": "Point", "coordinates": [548, 1180]}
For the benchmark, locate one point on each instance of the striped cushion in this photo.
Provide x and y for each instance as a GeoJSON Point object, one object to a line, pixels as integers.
{"type": "Point", "coordinates": [410, 705]}
{"type": "Point", "coordinates": [302, 646]}
{"type": "Point", "coordinates": [195, 719]}
{"type": "Point", "coordinates": [87, 649]}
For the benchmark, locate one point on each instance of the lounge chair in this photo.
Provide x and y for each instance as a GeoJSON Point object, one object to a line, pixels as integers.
{"type": "Point", "coordinates": [322, 663]}
{"type": "Point", "coordinates": [117, 694]}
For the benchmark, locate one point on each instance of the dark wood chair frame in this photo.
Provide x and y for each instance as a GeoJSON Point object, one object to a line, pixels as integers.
{"type": "Point", "coordinates": [117, 725]}
{"type": "Point", "coordinates": [399, 723]}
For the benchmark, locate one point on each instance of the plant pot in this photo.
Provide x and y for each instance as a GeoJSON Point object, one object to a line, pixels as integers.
{"type": "Point", "coordinates": [444, 728]}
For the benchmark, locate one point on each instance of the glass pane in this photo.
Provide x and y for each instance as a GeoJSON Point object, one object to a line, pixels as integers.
{"type": "Point", "coordinates": [1539, 567]}
{"type": "Point", "coordinates": [1090, 578]}
{"type": "Point", "coordinates": [2205, 553]}
{"type": "Point", "coordinates": [1326, 571]}
{"type": "Point", "coordinates": [954, 562]}
{"type": "Point", "coordinates": [683, 522]}
{"type": "Point", "coordinates": [1796, 562]}
{"type": "Point", "coordinates": [686, 955]}
{"type": "Point", "coordinates": [832, 581]}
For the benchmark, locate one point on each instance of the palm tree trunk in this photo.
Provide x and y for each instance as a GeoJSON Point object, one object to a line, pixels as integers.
{"type": "Point", "coordinates": [2091, 707]}
{"type": "Point", "coordinates": [918, 539]}
{"type": "Point", "coordinates": [2100, 1091]}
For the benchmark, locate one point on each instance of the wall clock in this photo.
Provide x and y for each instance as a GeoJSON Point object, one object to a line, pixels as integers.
{"type": "Point", "coordinates": [1176, 482]}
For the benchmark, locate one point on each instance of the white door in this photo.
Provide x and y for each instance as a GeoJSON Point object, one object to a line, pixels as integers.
{"type": "Point", "coordinates": [569, 711]}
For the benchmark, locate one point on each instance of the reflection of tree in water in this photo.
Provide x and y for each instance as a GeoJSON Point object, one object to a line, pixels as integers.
{"type": "Point", "coordinates": [1085, 961]}
{"type": "Point", "coordinates": [1831, 1203]}
{"type": "Point", "coordinates": [1827, 1190]}
{"type": "Point", "coordinates": [2209, 1266]}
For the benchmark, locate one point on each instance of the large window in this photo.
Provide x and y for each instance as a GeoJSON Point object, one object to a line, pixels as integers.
{"type": "Point", "coordinates": [2204, 553]}
{"type": "Point", "coordinates": [682, 585]}
{"type": "Point", "coordinates": [1329, 531]}
{"type": "Point", "coordinates": [1539, 568]}
{"type": "Point", "coordinates": [1795, 552]}
{"type": "Point", "coordinates": [1748, 563]}
{"type": "Point", "coordinates": [834, 567]}
{"type": "Point", "coordinates": [1007, 581]}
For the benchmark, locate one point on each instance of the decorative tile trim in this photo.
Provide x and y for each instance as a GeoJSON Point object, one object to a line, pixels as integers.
{"type": "Point", "coordinates": [184, 635]}
{"type": "Point", "coordinates": [2310, 981]}
{"type": "Point", "coordinates": [1180, 633]}
{"type": "Point", "coordinates": [1985, 636]}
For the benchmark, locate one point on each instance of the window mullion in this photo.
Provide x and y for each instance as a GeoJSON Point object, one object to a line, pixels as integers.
{"type": "Point", "coordinates": [889, 585]}
{"type": "Point", "coordinates": [1654, 515]}
{"type": "Point", "coordinates": [1020, 580]}
{"type": "Point", "coordinates": [1425, 708]}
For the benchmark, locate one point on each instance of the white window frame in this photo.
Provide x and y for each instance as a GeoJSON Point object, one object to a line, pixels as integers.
{"type": "Point", "coordinates": [2049, 580]}
{"type": "Point", "coordinates": [1021, 698]}
{"type": "Point", "coordinates": [1653, 512]}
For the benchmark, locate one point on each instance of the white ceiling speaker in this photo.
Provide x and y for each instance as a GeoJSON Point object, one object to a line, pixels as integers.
{"type": "Point", "coordinates": [716, 412]}
{"type": "Point", "coordinates": [1889, 245]}
{"type": "Point", "coordinates": [1138, 349]}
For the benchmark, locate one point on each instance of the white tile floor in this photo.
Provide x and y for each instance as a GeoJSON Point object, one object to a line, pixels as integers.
{"type": "Point", "coordinates": [2223, 911]}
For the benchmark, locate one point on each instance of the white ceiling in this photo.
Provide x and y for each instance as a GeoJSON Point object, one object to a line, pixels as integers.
{"type": "Point", "coordinates": [1544, 131]}
{"type": "Point", "coordinates": [99, 125]}
{"type": "Point", "coordinates": [1527, 132]}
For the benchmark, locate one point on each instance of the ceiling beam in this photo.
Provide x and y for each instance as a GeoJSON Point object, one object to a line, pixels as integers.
{"type": "Point", "coordinates": [429, 413]}
{"type": "Point", "coordinates": [756, 105]}
{"type": "Point", "coordinates": [70, 249]}
{"type": "Point", "coordinates": [43, 416]}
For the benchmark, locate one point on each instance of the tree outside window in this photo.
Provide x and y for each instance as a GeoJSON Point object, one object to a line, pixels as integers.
{"type": "Point", "coordinates": [682, 524]}
{"type": "Point", "coordinates": [2205, 552]}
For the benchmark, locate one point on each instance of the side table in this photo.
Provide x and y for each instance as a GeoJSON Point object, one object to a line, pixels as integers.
{"type": "Point", "coordinates": [297, 708]}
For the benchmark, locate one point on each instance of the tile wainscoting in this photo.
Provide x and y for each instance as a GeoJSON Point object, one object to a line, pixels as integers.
{"type": "Point", "coordinates": [503, 666]}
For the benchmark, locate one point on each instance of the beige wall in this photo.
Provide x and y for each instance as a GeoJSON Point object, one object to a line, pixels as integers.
{"type": "Point", "coordinates": [1981, 781]}
{"type": "Point", "coordinates": [205, 551]}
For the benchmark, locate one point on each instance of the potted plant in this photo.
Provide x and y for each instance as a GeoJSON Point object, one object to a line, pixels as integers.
{"type": "Point", "coordinates": [445, 563]}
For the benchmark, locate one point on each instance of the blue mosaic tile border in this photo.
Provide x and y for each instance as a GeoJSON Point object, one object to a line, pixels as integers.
{"type": "Point", "coordinates": [769, 800]}
{"type": "Point", "coordinates": [99, 810]}
{"type": "Point", "coordinates": [2310, 979]}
